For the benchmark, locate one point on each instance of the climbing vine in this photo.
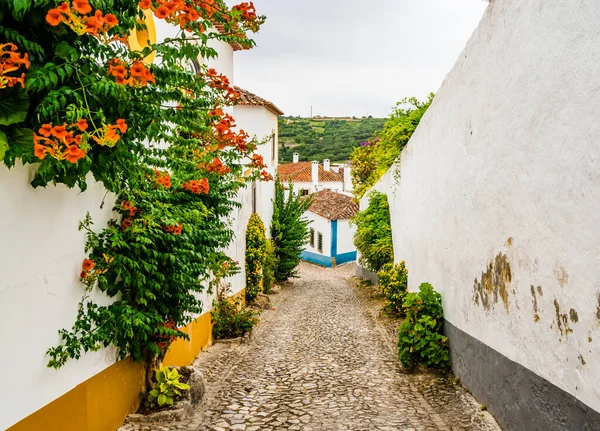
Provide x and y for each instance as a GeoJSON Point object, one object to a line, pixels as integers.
{"type": "Point", "coordinates": [80, 104]}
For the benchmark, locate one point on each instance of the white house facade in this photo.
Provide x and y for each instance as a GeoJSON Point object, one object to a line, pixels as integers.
{"type": "Point", "coordinates": [330, 241]}
{"type": "Point", "coordinates": [311, 177]}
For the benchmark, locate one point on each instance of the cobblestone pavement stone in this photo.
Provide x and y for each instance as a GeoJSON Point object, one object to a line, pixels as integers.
{"type": "Point", "coordinates": [319, 362]}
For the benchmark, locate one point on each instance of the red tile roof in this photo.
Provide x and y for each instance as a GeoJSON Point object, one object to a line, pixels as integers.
{"type": "Point", "coordinates": [302, 172]}
{"type": "Point", "coordinates": [333, 206]}
{"type": "Point", "coordinates": [250, 99]}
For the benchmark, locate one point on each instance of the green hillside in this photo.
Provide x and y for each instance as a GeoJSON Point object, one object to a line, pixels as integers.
{"type": "Point", "coordinates": [324, 138]}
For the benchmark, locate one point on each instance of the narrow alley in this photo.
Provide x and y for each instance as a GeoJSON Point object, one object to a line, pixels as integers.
{"type": "Point", "coordinates": [319, 362]}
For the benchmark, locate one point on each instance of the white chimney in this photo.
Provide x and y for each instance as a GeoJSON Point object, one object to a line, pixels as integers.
{"type": "Point", "coordinates": [326, 165]}
{"type": "Point", "coordinates": [348, 178]}
{"type": "Point", "coordinates": [315, 175]}
{"type": "Point", "coordinates": [296, 157]}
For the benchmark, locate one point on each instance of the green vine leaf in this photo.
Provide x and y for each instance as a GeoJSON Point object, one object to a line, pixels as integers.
{"type": "Point", "coordinates": [20, 7]}
{"type": "Point", "coordinates": [13, 110]}
{"type": "Point", "coordinates": [3, 144]}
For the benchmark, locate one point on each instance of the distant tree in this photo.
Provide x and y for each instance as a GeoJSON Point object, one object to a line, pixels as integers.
{"type": "Point", "coordinates": [289, 229]}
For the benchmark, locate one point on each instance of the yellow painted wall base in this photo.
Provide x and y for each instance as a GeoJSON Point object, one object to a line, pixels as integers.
{"type": "Point", "coordinates": [183, 352]}
{"type": "Point", "coordinates": [102, 402]}
{"type": "Point", "coordinates": [98, 404]}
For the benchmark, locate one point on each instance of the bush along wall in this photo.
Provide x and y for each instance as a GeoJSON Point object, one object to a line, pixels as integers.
{"type": "Point", "coordinates": [289, 229]}
{"type": "Point", "coordinates": [256, 255]}
{"type": "Point", "coordinates": [393, 283]}
{"type": "Point", "coordinates": [420, 339]}
{"type": "Point", "coordinates": [373, 238]}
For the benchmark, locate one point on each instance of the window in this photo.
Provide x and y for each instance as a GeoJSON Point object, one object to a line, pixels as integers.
{"type": "Point", "coordinates": [304, 192]}
{"type": "Point", "coordinates": [273, 146]}
{"type": "Point", "coordinates": [311, 238]}
{"type": "Point", "coordinates": [320, 243]}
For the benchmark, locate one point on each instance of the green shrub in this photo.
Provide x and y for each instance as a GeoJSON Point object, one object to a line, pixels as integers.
{"type": "Point", "coordinates": [270, 267]}
{"type": "Point", "coordinates": [393, 282]}
{"type": "Point", "coordinates": [420, 339]}
{"type": "Point", "coordinates": [231, 319]}
{"type": "Point", "coordinates": [165, 390]}
{"type": "Point", "coordinates": [256, 250]}
{"type": "Point", "coordinates": [373, 237]}
{"type": "Point", "coordinates": [289, 229]}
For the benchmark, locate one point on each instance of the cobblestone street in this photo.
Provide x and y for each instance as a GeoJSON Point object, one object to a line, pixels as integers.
{"type": "Point", "coordinates": [318, 362]}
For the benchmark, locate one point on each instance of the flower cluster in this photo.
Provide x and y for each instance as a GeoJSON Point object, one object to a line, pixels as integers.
{"type": "Point", "coordinates": [135, 75]}
{"type": "Point", "coordinates": [11, 61]}
{"type": "Point", "coordinates": [77, 18]}
{"type": "Point", "coordinates": [66, 142]}
{"type": "Point", "coordinates": [90, 272]}
{"type": "Point", "coordinates": [163, 178]}
{"type": "Point", "coordinates": [217, 167]}
{"type": "Point", "coordinates": [258, 161]}
{"type": "Point", "coordinates": [220, 82]}
{"type": "Point", "coordinates": [247, 9]}
{"type": "Point", "coordinates": [128, 206]}
{"type": "Point", "coordinates": [197, 186]}
{"type": "Point", "coordinates": [174, 229]}
{"type": "Point", "coordinates": [177, 12]}
{"type": "Point", "coordinates": [107, 136]}
{"type": "Point", "coordinates": [265, 176]}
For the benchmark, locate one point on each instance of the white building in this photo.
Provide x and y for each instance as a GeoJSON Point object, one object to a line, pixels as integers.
{"type": "Point", "coordinates": [40, 294]}
{"type": "Point", "coordinates": [311, 177]}
{"type": "Point", "coordinates": [331, 236]}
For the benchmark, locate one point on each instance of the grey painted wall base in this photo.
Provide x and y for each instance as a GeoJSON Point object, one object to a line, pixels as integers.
{"type": "Point", "coordinates": [519, 399]}
{"type": "Point", "coordinates": [365, 274]}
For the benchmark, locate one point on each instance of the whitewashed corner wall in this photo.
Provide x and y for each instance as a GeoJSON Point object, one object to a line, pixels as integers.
{"type": "Point", "coordinates": [498, 206]}
{"type": "Point", "coordinates": [41, 252]}
{"type": "Point", "coordinates": [259, 122]}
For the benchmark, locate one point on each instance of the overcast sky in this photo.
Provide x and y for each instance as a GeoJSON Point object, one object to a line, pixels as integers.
{"type": "Point", "coordinates": [354, 57]}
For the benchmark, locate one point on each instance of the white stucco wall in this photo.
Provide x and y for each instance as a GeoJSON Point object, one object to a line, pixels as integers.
{"type": "Point", "coordinates": [345, 237]}
{"type": "Point", "coordinates": [41, 253]}
{"type": "Point", "coordinates": [323, 226]}
{"type": "Point", "coordinates": [506, 161]}
{"type": "Point", "coordinates": [262, 123]}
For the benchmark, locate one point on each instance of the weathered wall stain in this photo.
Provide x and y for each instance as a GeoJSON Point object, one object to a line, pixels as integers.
{"type": "Point", "coordinates": [561, 274]}
{"type": "Point", "coordinates": [562, 320]}
{"type": "Point", "coordinates": [581, 359]}
{"type": "Point", "coordinates": [536, 316]}
{"type": "Point", "coordinates": [598, 308]}
{"type": "Point", "coordinates": [495, 283]}
{"type": "Point", "coordinates": [574, 316]}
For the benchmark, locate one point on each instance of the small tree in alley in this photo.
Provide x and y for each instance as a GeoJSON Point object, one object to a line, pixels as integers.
{"type": "Point", "coordinates": [289, 229]}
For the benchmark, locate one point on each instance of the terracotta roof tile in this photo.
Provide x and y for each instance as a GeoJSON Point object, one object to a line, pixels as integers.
{"type": "Point", "coordinates": [250, 99]}
{"type": "Point", "coordinates": [302, 172]}
{"type": "Point", "coordinates": [333, 206]}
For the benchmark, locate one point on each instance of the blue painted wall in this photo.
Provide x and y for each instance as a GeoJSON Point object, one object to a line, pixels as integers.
{"type": "Point", "coordinates": [345, 257]}
{"type": "Point", "coordinates": [334, 235]}
{"type": "Point", "coordinates": [319, 259]}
